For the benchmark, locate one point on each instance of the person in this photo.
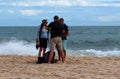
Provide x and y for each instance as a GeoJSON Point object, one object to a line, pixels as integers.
{"type": "Point", "coordinates": [42, 39]}
{"type": "Point", "coordinates": [56, 38]}
{"type": "Point", "coordinates": [65, 33]}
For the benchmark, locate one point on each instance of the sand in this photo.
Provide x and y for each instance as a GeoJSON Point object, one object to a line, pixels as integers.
{"type": "Point", "coordinates": [25, 67]}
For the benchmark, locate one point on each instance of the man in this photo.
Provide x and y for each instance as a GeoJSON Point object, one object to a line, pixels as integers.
{"type": "Point", "coordinates": [56, 38]}
{"type": "Point", "coordinates": [65, 33]}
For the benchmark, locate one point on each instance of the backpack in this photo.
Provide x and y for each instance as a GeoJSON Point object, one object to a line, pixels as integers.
{"type": "Point", "coordinates": [46, 56]}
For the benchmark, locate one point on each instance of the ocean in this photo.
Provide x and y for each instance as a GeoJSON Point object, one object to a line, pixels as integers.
{"type": "Point", "coordinates": [98, 41]}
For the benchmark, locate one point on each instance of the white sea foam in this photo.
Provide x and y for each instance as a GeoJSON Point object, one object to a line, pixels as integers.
{"type": "Point", "coordinates": [15, 47]}
{"type": "Point", "coordinates": [94, 52]}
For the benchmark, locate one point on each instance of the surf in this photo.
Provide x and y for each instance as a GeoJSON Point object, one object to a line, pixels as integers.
{"type": "Point", "coordinates": [21, 47]}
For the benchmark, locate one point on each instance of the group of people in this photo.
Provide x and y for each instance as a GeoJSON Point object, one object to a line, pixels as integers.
{"type": "Point", "coordinates": [58, 36]}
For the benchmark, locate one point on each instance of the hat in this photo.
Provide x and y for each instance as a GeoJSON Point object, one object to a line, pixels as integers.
{"type": "Point", "coordinates": [44, 20]}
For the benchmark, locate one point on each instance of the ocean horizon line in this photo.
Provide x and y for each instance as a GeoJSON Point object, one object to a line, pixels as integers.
{"type": "Point", "coordinates": [69, 26]}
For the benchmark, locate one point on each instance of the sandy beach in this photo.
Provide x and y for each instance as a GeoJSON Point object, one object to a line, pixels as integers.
{"type": "Point", "coordinates": [25, 67]}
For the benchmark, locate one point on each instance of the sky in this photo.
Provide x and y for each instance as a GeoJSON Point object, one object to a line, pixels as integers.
{"type": "Point", "coordinates": [75, 12]}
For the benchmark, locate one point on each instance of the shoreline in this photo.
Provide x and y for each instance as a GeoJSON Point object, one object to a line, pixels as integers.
{"type": "Point", "coordinates": [25, 67]}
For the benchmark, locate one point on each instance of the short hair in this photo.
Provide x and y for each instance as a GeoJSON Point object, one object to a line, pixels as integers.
{"type": "Point", "coordinates": [56, 17]}
{"type": "Point", "coordinates": [61, 19]}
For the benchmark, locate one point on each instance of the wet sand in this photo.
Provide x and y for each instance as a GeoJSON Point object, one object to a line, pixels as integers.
{"type": "Point", "coordinates": [25, 67]}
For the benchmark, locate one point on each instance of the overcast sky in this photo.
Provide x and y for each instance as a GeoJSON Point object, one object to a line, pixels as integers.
{"type": "Point", "coordinates": [75, 12]}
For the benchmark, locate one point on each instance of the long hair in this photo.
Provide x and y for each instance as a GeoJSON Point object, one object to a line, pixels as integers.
{"type": "Point", "coordinates": [41, 26]}
{"type": "Point", "coordinates": [40, 29]}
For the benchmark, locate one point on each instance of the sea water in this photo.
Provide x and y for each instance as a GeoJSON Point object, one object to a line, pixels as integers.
{"type": "Point", "coordinates": [99, 41]}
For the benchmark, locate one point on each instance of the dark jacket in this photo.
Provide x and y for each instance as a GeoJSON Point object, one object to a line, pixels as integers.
{"type": "Point", "coordinates": [55, 29]}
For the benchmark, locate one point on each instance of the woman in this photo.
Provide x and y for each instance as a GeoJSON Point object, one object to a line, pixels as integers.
{"type": "Point", "coordinates": [42, 39]}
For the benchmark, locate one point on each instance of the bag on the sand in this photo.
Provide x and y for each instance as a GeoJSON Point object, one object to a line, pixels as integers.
{"type": "Point", "coordinates": [46, 56]}
{"type": "Point", "coordinates": [40, 60]}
